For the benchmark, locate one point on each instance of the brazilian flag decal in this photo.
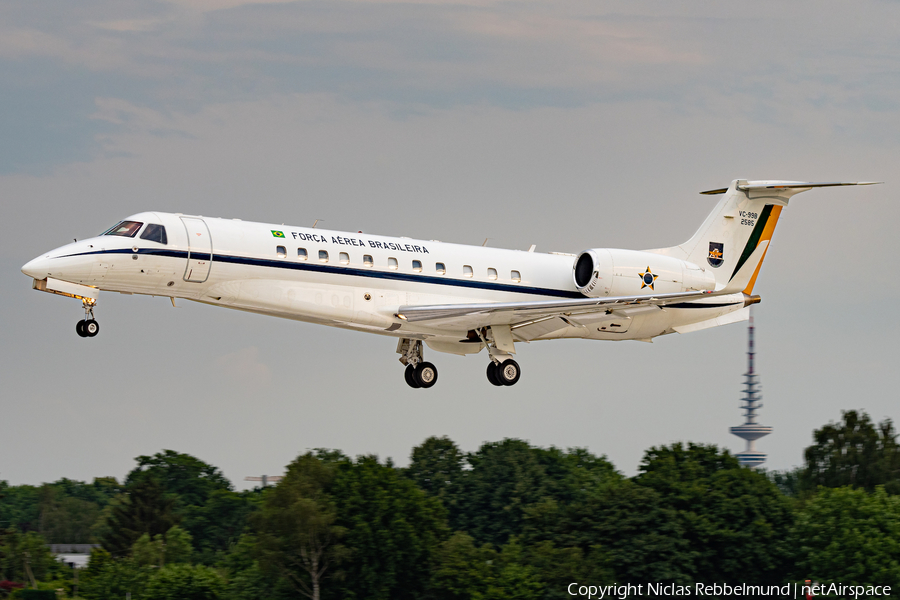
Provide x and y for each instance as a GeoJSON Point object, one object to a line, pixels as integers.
{"type": "Point", "coordinates": [277, 233]}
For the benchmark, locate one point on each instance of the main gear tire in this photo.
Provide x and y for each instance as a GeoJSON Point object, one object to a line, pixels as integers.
{"type": "Point", "coordinates": [426, 374]}
{"type": "Point", "coordinates": [492, 374]}
{"type": "Point", "coordinates": [508, 372]}
{"type": "Point", "coordinates": [410, 376]}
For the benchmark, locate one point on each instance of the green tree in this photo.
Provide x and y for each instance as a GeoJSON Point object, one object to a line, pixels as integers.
{"type": "Point", "coordinates": [462, 570]}
{"type": "Point", "coordinates": [466, 572]}
{"type": "Point", "coordinates": [147, 552]}
{"type": "Point", "coordinates": [178, 547]}
{"type": "Point", "coordinates": [509, 477]}
{"type": "Point", "coordinates": [107, 578]}
{"type": "Point", "coordinates": [297, 532]}
{"type": "Point", "coordinates": [100, 491]}
{"type": "Point", "coordinates": [24, 556]}
{"type": "Point", "coordinates": [624, 532]}
{"type": "Point", "coordinates": [514, 579]}
{"type": "Point", "coordinates": [733, 520]}
{"type": "Point", "coordinates": [436, 466]}
{"type": "Point", "coordinates": [855, 452]}
{"type": "Point", "coordinates": [184, 582]}
{"type": "Point", "coordinates": [219, 522]}
{"type": "Point", "coordinates": [207, 507]}
{"type": "Point", "coordinates": [849, 536]}
{"type": "Point", "coordinates": [145, 509]}
{"type": "Point", "coordinates": [172, 548]}
{"type": "Point", "coordinates": [393, 531]}
{"type": "Point", "coordinates": [20, 507]}
{"type": "Point", "coordinates": [66, 519]}
{"type": "Point", "coordinates": [188, 478]}
{"type": "Point", "coordinates": [246, 578]}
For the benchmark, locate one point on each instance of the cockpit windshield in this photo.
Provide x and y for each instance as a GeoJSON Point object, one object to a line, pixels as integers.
{"type": "Point", "coordinates": [155, 233]}
{"type": "Point", "coordinates": [125, 229]}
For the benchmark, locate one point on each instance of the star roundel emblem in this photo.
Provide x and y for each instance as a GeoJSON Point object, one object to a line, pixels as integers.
{"type": "Point", "coordinates": [647, 278]}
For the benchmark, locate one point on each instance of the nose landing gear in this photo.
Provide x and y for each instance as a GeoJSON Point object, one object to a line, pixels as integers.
{"type": "Point", "coordinates": [88, 327]}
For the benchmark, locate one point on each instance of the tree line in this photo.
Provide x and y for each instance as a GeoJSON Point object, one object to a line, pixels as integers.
{"type": "Point", "coordinates": [507, 521]}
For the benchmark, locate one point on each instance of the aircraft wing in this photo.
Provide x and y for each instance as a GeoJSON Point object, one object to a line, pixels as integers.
{"type": "Point", "coordinates": [552, 313]}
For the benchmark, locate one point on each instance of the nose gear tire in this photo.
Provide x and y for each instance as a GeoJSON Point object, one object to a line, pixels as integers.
{"type": "Point", "coordinates": [91, 328]}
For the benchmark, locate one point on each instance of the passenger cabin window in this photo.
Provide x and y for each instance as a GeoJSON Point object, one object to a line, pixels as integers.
{"type": "Point", "coordinates": [155, 233]}
{"type": "Point", "coordinates": [417, 265]}
{"type": "Point", "coordinates": [124, 229]}
{"type": "Point", "coordinates": [281, 251]}
{"type": "Point", "coordinates": [467, 271]}
{"type": "Point", "coordinates": [440, 268]}
{"type": "Point", "coordinates": [492, 273]}
{"type": "Point", "coordinates": [344, 258]}
{"type": "Point", "coordinates": [515, 276]}
{"type": "Point", "coordinates": [323, 255]}
{"type": "Point", "coordinates": [301, 254]}
{"type": "Point", "coordinates": [392, 263]}
{"type": "Point", "coordinates": [367, 260]}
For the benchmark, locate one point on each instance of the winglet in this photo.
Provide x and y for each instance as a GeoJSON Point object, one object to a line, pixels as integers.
{"type": "Point", "coordinates": [745, 274]}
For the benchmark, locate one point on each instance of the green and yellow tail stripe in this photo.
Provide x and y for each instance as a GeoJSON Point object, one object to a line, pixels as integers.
{"type": "Point", "coordinates": [765, 227]}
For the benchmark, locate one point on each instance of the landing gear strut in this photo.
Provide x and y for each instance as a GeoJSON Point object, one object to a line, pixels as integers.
{"type": "Point", "coordinates": [88, 327]}
{"type": "Point", "coordinates": [418, 374]}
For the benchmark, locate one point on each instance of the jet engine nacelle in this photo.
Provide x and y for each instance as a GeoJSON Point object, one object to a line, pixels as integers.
{"type": "Point", "coordinates": [600, 272]}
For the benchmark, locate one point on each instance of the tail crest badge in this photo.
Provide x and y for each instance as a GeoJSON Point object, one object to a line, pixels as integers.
{"type": "Point", "coordinates": [716, 254]}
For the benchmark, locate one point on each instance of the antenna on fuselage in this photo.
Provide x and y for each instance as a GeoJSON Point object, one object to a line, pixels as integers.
{"type": "Point", "coordinates": [317, 222]}
{"type": "Point", "coordinates": [484, 243]}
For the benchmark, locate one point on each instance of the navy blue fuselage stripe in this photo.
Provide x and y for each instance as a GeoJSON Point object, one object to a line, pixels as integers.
{"type": "Point", "coordinates": [320, 268]}
{"type": "Point", "coordinates": [300, 266]}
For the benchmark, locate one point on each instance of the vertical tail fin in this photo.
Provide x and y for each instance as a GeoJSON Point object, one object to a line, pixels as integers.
{"type": "Point", "coordinates": [741, 222]}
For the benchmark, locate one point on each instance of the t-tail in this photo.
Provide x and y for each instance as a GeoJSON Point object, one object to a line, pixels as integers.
{"type": "Point", "coordinates": [734, 238]}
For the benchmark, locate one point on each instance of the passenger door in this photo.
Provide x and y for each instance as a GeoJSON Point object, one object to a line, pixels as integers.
{"type": "Point", "coordinates": [200, 250]}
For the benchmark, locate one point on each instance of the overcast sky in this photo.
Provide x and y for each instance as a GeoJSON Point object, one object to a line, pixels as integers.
{"type": "Point", "coordinates": [566, 124]}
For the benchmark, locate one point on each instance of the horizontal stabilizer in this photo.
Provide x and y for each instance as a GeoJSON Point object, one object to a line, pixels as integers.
{"type": "Point", "coordinates": [787, 185]}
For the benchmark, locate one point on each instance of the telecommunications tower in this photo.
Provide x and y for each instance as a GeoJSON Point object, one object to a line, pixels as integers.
{"type": "Point", "coordinates": [750, 430]}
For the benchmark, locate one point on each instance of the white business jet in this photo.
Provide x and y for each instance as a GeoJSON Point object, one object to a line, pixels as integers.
{"type": "Point", "coordinates": [453, 298]}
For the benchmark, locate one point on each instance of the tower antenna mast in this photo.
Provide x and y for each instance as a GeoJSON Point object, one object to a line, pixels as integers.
{"type": "Point", "coordinates": [750, 403]}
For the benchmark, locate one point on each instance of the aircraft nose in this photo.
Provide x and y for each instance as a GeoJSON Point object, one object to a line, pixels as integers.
{"type": "Point", "coordinates": [37, 268]}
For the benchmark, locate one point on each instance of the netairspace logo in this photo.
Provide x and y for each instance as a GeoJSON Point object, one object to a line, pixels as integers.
{"type": "Point", "coordinates": [788, 590]}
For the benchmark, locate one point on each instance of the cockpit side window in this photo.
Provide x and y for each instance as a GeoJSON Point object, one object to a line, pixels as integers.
{"type": "Point", "coordinates": [125, 229]}
{"type": "Point", "coordinates": [155, 233]}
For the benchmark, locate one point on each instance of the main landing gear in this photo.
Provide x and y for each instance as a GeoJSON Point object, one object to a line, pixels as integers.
{"type": "Point", "coordinates": [503, 373]}
{"type": "Point", "coordinates": [419, 374]}
{"type": "Point", "coordinates": [87, 327]}
{"type": "Point", "coordinates": [502, 370]}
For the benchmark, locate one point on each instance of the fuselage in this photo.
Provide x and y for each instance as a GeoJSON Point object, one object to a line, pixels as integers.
{"type": "Point", "coordinates": [358, 280]}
